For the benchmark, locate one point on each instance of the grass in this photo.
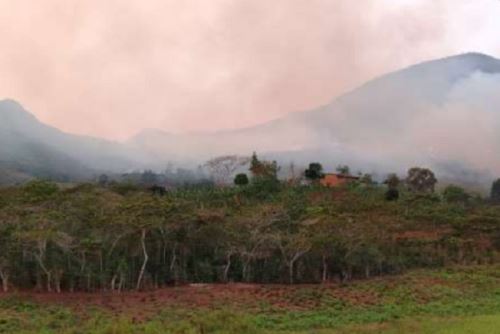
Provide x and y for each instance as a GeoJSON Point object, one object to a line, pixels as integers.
{"type": "Point", "coordinates": [456, 325]}
{"type": "Point", "coordinates": [458, 300]}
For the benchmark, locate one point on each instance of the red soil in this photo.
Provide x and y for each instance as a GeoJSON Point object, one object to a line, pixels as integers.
{"type": "Point", "coordinates": [143, 305]}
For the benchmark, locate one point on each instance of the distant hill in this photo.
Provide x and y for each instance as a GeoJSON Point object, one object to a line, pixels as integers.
{"type": "Point", "coordinates": [444, 114]}
{"type": "Point", "coordinates": [32, 149]}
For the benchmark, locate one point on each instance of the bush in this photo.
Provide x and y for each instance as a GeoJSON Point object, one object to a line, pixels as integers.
{"type": "Point", "coordinates": [241, 179]}
{"type": "Point", "coordinates": [495, 191]}
{"type": "Point", "coordinates": [39, 190]}
{"type": "Point", "coordinates": [455, 194]}
{"type": "Point", "coordinates": [392, 195]}
{"type": "Point", "coordinates": [314, 172]}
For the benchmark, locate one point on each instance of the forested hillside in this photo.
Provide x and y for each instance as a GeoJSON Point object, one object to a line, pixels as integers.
{"type": "Point", "coordinates": [119, 236]}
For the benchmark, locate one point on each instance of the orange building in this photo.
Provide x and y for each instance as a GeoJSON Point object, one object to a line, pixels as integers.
{"type": "Point", "coordinates": [334, 180]}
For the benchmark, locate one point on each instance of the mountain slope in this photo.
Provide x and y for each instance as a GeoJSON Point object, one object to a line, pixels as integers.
{"type": "Point", "coordinates": [443, 114]}
{"type": "Point", "coordinates": [440, 113]}
{"type": "Point", "coordinates": [32, 149]}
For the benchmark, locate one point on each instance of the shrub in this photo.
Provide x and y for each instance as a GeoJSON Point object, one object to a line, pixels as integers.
{"type": "Point", "coordinates": [241, 179]}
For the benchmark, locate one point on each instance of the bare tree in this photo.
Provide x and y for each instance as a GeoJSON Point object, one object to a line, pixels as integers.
{"type": "Point", "coordinates": [223, 167]}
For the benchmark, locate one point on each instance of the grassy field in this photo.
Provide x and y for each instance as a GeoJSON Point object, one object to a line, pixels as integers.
{"type": "Point", "coordinates": [458, 325]}
{"type": "Point", "coordinates": [458, 300]}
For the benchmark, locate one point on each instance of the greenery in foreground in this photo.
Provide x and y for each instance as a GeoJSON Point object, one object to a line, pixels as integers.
{"type": "Point", "coordinates": [120, 237]}
{"type": "Point", "coordinates": [458, 300]}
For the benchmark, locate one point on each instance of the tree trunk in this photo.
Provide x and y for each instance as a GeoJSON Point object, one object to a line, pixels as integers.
{"type": "Point", "coordinates": [245, 270]}
{"type": "Point", "coordinates": [120, 283]}
{"type": "Point", "coordinates": [292, 261]}
{"type": "Point", "coordinates": [46, 272]}
{"type": "Point", "coordinates": [113, 282]}
{"type": "Point", "coordinates": [325, 270]}
{"type": "Point", "coordinates": [145, 261]}
{"type": "Point", "coordinates": [290, 271]}
{"type": "Point", "coordinates": [57, 280]}
{"type": "Point", "coordinates": [173, 270]}
{"type": "Point", "coordinates": [49, 280]}
{"type": "Point", "coordinates": [226, 269]}
{"type": "Point", "coordinates": [5, 280]}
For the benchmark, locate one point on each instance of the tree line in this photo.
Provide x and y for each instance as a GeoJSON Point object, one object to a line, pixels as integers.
{"type": "Point", "coordinates": [99, 237]}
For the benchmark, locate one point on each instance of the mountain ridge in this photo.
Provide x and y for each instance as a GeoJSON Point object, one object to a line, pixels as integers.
{"type": "Point", "coordinates": [382, 123]}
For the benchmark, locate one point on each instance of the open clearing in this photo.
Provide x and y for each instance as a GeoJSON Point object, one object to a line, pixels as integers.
{"type": "Point", "coordinates": [458, 300]}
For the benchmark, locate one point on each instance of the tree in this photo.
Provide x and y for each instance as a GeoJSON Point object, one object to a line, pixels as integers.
{"type": "Point", "coordinates": [343, 170]}
{"type": "Point", "coordinates": [263, 168]}
{"type": "Point", "coordinates": [314, 172]}
{"type": "Point", "coordinates": [103, 180]}
{"type": "Point", "coordinates": [455, 194]}
{"type": "Point", "coordinates": [392, 182]}
{"type": "Point", "coordinates": [421, 180]}
{"type": "Point", "coordinates": [264, 175]}
{"type": "Point", "coordinates": [495, 191]}
{"type": "Point", "coordinates": [241, 179]}
{"type": "Point", "coordinates": [149, 178]}
{"type": "Point", "coordinates": [367, 179]}
{"type": "Point", "coordinates": [223, 167]}
{"type": "Point", "coordinates": [293, 177]}
{"type": "Point", "coordinates": [141, 214]}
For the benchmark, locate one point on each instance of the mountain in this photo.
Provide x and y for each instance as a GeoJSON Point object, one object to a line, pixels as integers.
{"type": "Point", "coordinates": [442, 113]}
{"type": "Point", "coordinates": [32, 149]}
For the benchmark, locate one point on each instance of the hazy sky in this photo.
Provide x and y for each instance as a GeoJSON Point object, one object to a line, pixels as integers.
{"type": "Point", "coordinates": [113, 67]}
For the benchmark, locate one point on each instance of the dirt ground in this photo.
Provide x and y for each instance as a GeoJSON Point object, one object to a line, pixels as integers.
{"type": "Point", "coordinates": [142, 305]}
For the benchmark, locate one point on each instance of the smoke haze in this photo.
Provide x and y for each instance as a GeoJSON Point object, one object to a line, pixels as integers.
{"type": "Point", "coordinates": [112, 68]}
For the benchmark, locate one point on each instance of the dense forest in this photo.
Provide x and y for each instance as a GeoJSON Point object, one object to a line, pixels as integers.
{"type": "Point", "coordinates": [115, 235]}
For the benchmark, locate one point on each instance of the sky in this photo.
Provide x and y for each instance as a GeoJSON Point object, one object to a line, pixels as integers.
{"type": "Point", "coordinates": [112, 68]}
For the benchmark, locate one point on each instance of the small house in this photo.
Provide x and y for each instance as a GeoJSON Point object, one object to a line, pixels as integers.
{"type": "Point", "coordinates": [334, 180]}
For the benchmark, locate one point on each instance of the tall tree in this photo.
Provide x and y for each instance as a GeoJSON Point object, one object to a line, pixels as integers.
{"type": "Point", "coordinates": [314, 172]}
{"type": "Point", "coordinates": [223, 167]}
{"type": "Point", "coordinates": [421, 180]}
{"type": "Point", "coordinates": [392, 182]}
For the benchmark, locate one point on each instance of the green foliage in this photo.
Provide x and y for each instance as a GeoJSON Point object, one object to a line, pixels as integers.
{"type": "Point", "coordinates": [343, 169]}
{"type": "Point", "coordinates": [392, 181]}
{"type": "Point", "coordinates": [455, 194]}
{"type": "Point", "coordinates": [241, 179]}
{"type": "Point", "coordinates": [314, 172]}
{"type": "Point", "coordinates": [453, 300]}
{"type": "Point", "coordinates": [495, 191]}
{"type": "Point", "coordinates": [120, 237]}
{"type": "Point", "coordinates": [367, 179]}
{"type": "Point", "coordinates": [39, 190]}
{"type": "Point", "coordinates": [124, 188]}
{"type": "Point", "coordinates": [262, 169]}
{"type": "Point", "coordinates": [264, 177]}
{"type": "Point", "coordinates": [392, 194]}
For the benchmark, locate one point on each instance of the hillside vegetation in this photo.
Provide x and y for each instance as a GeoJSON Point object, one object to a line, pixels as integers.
{"type": "Point", "coordinates": [120, 237]}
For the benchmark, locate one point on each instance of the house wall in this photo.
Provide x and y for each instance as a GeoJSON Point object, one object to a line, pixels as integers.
{"type": "Point", "coordinates": [332, 180]}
